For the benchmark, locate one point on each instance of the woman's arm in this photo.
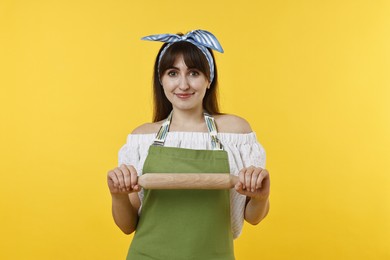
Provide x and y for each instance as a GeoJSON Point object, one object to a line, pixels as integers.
{"type": "Point", "coordinates": [122, 182]}
{"type": "Point", "coordinates": [256, 178]}
{"type": "Point", "coordinates": [255, 184]}
{"type": "Point", "coordinates": [124, 213]}
{"type": "Point", "coordinates": [256, 210]}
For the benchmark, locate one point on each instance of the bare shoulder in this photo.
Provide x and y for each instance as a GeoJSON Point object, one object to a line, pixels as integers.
{"type": "Point", "coordinates": [147, 128]}
{"type": "Point", "coordinates": [227, 123]}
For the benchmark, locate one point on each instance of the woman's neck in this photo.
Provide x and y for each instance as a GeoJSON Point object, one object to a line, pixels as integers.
{"type": "Point", "coordinates": [188, 120]}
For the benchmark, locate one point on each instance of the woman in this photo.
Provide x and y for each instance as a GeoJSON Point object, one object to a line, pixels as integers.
{"type": "Point", "coordinates": [183, 138]}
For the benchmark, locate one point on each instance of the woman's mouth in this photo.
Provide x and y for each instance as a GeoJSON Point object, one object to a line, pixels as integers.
{"type": "Point", "coordinates": [184, 95]}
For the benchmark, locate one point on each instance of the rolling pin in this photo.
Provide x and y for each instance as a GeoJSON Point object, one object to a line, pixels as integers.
{"type": "Point", "coordinates": [201, 181]}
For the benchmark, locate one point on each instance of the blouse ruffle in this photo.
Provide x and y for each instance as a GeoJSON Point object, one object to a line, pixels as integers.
{"type": "Point", "coordinates": [243, 151]}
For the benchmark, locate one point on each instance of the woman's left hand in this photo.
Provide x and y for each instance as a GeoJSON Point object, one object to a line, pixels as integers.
{"type": "Point", "coordinates": [253, 182]}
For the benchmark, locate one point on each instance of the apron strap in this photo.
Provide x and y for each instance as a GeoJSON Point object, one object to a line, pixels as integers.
{"type": "Point", "coordinates": [162, 133]}
{"type": "Point", "coordinates": [212, 127]}
{"type": "Point", "coordinates": [159, 140]}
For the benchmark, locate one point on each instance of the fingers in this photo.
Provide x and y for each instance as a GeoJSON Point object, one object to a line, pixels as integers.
{"type": "Point", "coordinates": [248, 178]}
{"type": "Point", "coordinates": [251, 179]}
{"type": "Point", "coordinates": [121, 179]}
{"type": "Point", "coordinates": [112, 177]}
{"type": "Point", "coordinates": [126, 176]}
{"type": "Point", "coordinates": [255, 178]}
{"type": "Point", "coordinates": [265, 181]}
{"type": "Point", "coordinates": [241, 177]}
{"type": "Point", "coordinates": [239, 188]}
{"type": "Point", "coordinates": [124, 179]}
{"type": "Point", "coordinates": [133, 177]}
{"type": "Point", "coordinates": [263, 176]}
{"type": "Point", "coordinates": [259, 180]}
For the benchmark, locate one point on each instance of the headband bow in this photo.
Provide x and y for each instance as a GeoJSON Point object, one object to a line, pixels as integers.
{"type": "Point", "coordinates": [200, 38]}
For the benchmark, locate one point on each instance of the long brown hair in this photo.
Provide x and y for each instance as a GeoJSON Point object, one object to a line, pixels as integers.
{"type": "Point", "coordinates": [193, 58]}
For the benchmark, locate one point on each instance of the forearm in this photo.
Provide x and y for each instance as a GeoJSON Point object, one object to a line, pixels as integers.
{"type": "Point", "coordinates": [124, 214]}
{"type": "Point", "coordinates": [256, 210]}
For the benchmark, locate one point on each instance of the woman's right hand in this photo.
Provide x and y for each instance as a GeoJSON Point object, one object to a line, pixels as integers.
{"type": "Point", "coordinates": [123, 179]}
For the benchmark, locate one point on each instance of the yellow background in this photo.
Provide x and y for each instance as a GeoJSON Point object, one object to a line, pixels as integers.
{"type": "Point", "coordinates": [312, 78]}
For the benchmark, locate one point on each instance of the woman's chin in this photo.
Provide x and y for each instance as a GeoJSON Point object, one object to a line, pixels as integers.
{"type": "Point", "coordinates": [186, 107]}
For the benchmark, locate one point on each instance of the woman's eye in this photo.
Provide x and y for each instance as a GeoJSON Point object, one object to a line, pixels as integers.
{"type": "Point", "coordinates": [172, 73]}
{"type": "Point", "coordinates": [194, 73]}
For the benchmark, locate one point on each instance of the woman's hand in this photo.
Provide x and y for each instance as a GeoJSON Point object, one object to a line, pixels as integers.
{"type": "Point", "coordinates": [254, 182]}
{"type": "Point", "coordinates": [123, 179]}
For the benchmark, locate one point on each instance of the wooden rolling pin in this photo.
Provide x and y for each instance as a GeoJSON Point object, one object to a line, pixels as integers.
{"type": "Point", "coordinates": [202, 181]}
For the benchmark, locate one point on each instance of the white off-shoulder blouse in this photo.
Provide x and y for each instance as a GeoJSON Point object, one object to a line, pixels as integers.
{"type": "Point", "coordinates": [243, 151]}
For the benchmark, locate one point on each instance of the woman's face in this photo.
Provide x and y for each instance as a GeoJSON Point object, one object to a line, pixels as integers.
{"type": "Point", "coordinates": [184, 87]}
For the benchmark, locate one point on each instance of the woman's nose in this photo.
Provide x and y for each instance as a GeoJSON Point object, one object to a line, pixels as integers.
{"type": "Point", "coordinates": [183, 85]}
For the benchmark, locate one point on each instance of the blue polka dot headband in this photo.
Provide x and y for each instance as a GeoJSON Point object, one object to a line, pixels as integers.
{"type": "Point", "coordinates": [200, 38]}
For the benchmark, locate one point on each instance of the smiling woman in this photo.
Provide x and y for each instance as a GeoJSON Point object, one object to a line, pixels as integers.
{"type": "Point", "coordinates": [195, 62]}
{"type": "Point", "coordinates": [183, 138]}
{"type": "Point", "coordinates": [184, 87]}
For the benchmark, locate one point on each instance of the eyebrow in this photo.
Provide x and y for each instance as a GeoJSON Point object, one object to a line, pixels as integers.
{"type": "Point", "coordinates": [173, 67]}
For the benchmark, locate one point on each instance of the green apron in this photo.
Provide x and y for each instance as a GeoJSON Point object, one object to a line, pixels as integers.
{"type": "Point", "coordinates": [184, 224]}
